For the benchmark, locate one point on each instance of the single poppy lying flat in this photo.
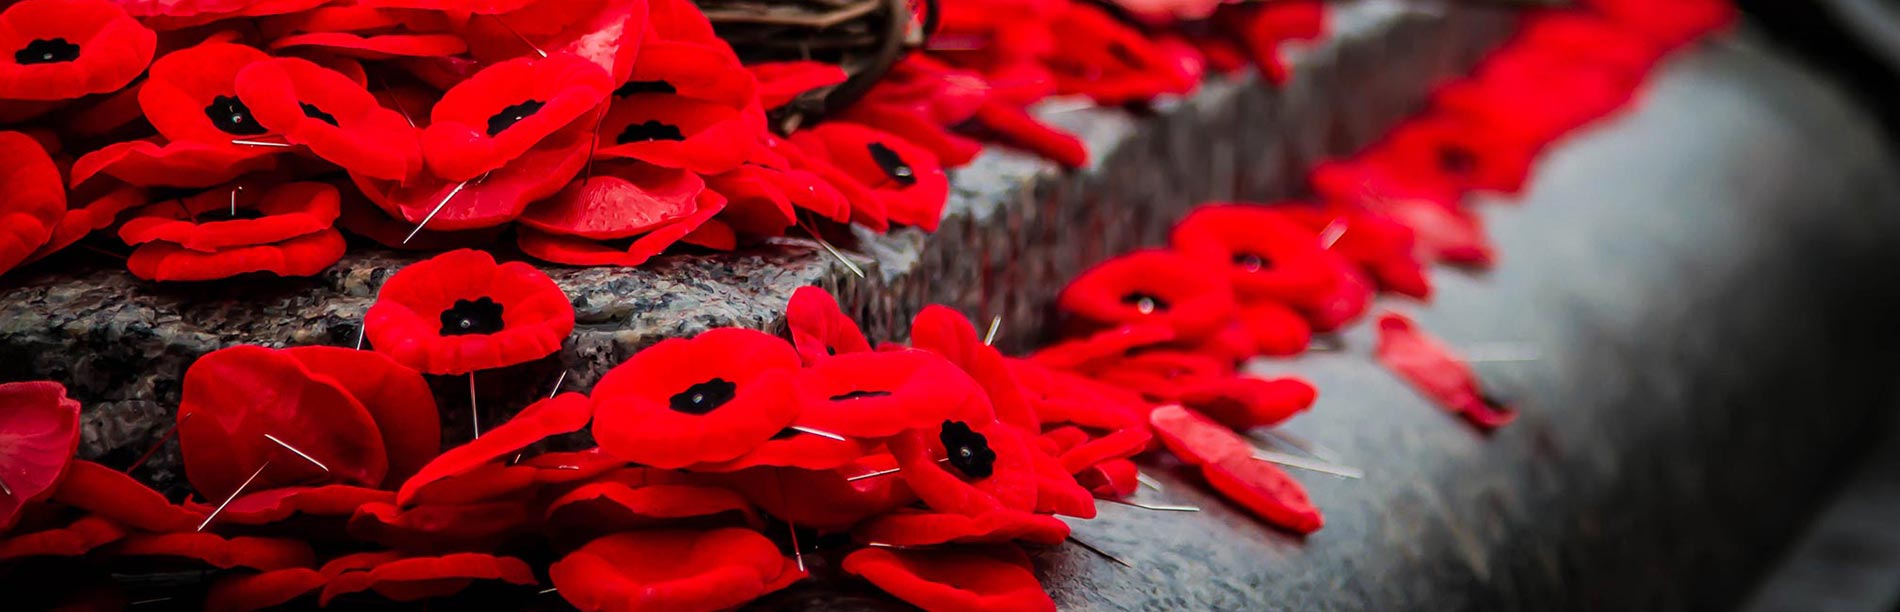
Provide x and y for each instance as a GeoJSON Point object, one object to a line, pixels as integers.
{"type": "Point", "coordinates": [460, 312]}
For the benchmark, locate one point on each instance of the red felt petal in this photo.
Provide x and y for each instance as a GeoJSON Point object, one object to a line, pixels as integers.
{"type": "Point", "coordinates": [924, 528]}
{"type": "Point", "coordinates": [235, 397]}
{"type": "Point", "coordinates": [1147, 287]}
{"type": "Point", "coordinates": [620, 201]}
{"type": "Point", "coordinates": [156, 163]}
{"type": "Point", "coordinates": [878, 395]}
{"type": "Point", "coordinates": [636, 421]}
{"type": "Point", "coordinates": [184, 84]}
{"type": "Point", "coordinates": [610, 507]}
{"type": "Point", "coordinates": [113, 49]}
{"type": "Point", "coordinates": [418, 578]}
{"type": "Point", "coordinates": [819, 328]}
{"type": "Point", "coordinates": [1437, 372]}
{"type": "Point", "coordinates": [275, 505]}
{"type": "Point", "coordinates": [1265, 490]}
{"type": "Point", "coordinates": [78, 538]}
{"type": "Point", "coordinates": [90, 217]}
{"type": "Point", "coordinates": [440, 527]}
{"type": "Point", "coordinates": [33, 202]}
{"type": "Point", "coordinates": [286, 211]}
{"type": "Point", "coordinates": [406, 320]}
{"type": "Point", "coordinates": [462, 142]}
{"type": "Point", "coordinates": [782, 82]}
{"type": "Point", "coordinates": [491, 200]}
{"type": "Point", "coordinates": [670, 570]}
{"type": "Point", "coordinates": [1197, 439]}
{"type": "Point", "coordinates": [39, 430]}
{"type": "Point", "coordinates": [347, 127]}
{"type": "Point", "coordinates": [946, 332]}
{"type": "Point", "coordinates": [825, 500]}
{"type": "Point", "coordinates": [397, 398]}
{"type": "Point", "coordinates": [1090, 351]}
{"type": "Point", "coordinates": [246, 592]}
{"type": "Point", "coordinates": [1011, 483]}
{"type": "Point", "coordinates": [975, 579]}
{"type": "Point", "coordinates": [580, 252]}
{"type": "Point", "coordinates": [263, 554]}
{"type": "Point", "coordinates": [306, 255]}
{"type": "Point", "coordinates": [562, 414]}
{"type": "Point", "coordinates": [1266, 255]}
{"type": "Point", "coordinates": [111, 494]}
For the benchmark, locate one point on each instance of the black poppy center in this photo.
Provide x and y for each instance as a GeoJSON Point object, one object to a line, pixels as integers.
{"type": "Point", "coordinates": [649, 130]}
{"type": "Point", "coordinates": [1252, 262]}
{"type": "Point", "coordinates": [231, 115]}
{"type": "Point", "coordinates": [704, 397]}
{"type": "Point", "coordinates": [1456, 160]}
{"type": "Point", "coordinates": [645, 87]}
{"type": "Point", "coordinates": [311, 111]}
{"type": "Point", "coordinates": [859, 395]}
{"type": "Point", "coordinates": [969, 451]}
{"type": "Point", "coordinates": [47, 51]}
{"type": "Point", "coordinates": [1144, 302]}
{"type": "Point", "coordinates": [893, 165]}
{"type": "Point", "coordinates": [512, 115]}
{"type": "Point", "coordinates": [481, 316]}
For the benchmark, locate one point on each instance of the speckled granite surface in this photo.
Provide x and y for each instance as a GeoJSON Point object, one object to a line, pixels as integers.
{"type": "Point", "coordinates": [1016, 229]}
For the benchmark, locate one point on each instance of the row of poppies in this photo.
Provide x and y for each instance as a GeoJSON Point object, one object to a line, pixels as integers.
{"type": "Point", "coordinates": [603, 132]}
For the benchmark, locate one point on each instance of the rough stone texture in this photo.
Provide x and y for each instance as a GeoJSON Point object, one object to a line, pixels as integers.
{"type": "Point", "coordinates": [1017, 227]}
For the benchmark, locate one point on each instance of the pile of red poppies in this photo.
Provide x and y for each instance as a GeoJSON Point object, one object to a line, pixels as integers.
{"type": "Point", "coordinates": [237, 137]}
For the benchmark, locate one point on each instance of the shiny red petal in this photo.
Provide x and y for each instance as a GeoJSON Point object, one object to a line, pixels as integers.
{"type": "Point", "coordinates": [111, 494]}
{"type": "Point", "coordinates": [263, 554]}
{"type": "Point", "coordinates": [78, 538]}
{"type": "Point", "coordinates": [566, 413]}
{"type": "Point", "coordinates": [39, 431]}
{"type": "Point", "coordinates": [1437, 372]}
{"type": "Point", "coordinates": [302, 256]}
{"type": "Point", "coordinates": [286, 211]}
{"type": "Point", "coordinates": [419, 578]}
{"type": "Point", "coordinates": [670, 570]}
{"type": "Point", "coordinates": [1196, 439]}
{"type": "Point", "coordinates": [636, 422]}
{"type": "Point", "coordinates": [235, 397]}
{"type": "Point", "coordinates": [974, 579]}
{"type": "Point", "coordinates": [1266, 491]}
{"type": "Point", "coordinates": [34, 201]}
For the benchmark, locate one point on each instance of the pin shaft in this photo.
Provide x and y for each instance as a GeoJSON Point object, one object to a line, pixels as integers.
{"type": "Point", "coordinates": [306, 456]}
{"type": "Point", "coordinates": [1308, 464]}
{"type": "Point", "coordinates": [234, 495]}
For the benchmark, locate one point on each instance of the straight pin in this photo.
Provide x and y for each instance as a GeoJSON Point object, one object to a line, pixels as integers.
{"type": "Point", "coordinates": [600, 118]}
{"type": "Point", "coordinates": [989, 339]}
{"type": "Point", "coordinates": [234, 495]}
{"type": "Point", "coordinates": [557, 385]}
{"type": "Point", "coordinates": [818, 432]}
{"type": "Point", "coordinates": [1311, 448]}
{"type": "Point", "coordinates": [1332, 233]}
{"type": "Point", "coordinates": [524, 40]}
{"type": "Point", "coordinates": [1503, 352]}
{"type": "Point", "coordinates": [834, 251]}
{"type": "Point", "coordinates": [1148, 481]}
{"type": "Point", "coordinates": [1103, 553]}
{"type": "Point", "coordinates": [5, 489]}
{"type": "Point", "coordinates": [1303, 463]}
{"type": "Point", "coordinates": [474, 412]}
{"type": "Point", "coordinates": [261, 143]}
{"type": "Point", "coordinates": [546, 591]}
{"type": "Point", "coordinates": [885, 472]}
{"type": "Point", "coordinates": [1154, 507]}
{"type": "Point", "coordinates": [234, 191]}
{"type": "Point", "coordinates": [438, 208]}
{"type": "Point", "coordinates": [306, 456]}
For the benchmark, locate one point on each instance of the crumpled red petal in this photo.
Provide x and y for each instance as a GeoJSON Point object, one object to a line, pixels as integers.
{"type": "Point", "coordinates": [566, 413]}
{"type": "Point", "coordinates": [235, 397]}
{"type": "Point", "coordinates": [396, 396]}
{"type": "Point", "coordinates": [285, 211]}
{"type": "Point", "coordinates": [1435, 371]}
{"type": "Point", "coordinates": [307, 255]}
{"type": "Point", "coordinates": [1265, 490]}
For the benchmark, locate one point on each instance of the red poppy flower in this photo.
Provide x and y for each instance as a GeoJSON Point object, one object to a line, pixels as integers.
{"type": "Point", "coordinates": [925, 528]}
{"type": "Point", "coordinates": [155, 163]}
{"type": "Point", "coordinates": [1384, 248]}
{"type": "Point", "coordinates": [1057, 492]}
{"type": "Point", "coordinates": [419, 578]}
{"type": "Point", "coordinates": [1062, 397]}
{"type": "Point", "coordinates": [440, 528]}
{"type": "Point", "coordinates": [65, 49]}
{"type": "Point", "coordinates": [613, 507]}
{"type": "Point", "coordinates": [78, 538]}
{"type": "Point", "coordinates": [996, 579]}
{"type": "Point", "coordinates": [566, 413]}
{"type": "Point", "coordinates": [988, 467]}
{"type": "Point", "coordinates": [1348, 301]}
{"type": "Point", "coordinates": [276, 505]}
{"type": "Point", "coordinates": [1261, 28]}
{"type": "Point", "coordinates": [796, 449]}
{"type": "Point", "coordinates": [366, 32]}
{"type": "Point", "coordinates": [331, 114]}
{"type": "Point", "coordinates": [108, 493]}
{"type": "Point", "coordinates": [1111, 62]}
{"type": "Point", "coordinates": [911, 123]}
{"type": "Point", "coordinates": [1152, 286]}
{"type": "Point", "coordinates": [263, 554]}
{"type": "Point", "coordinates": [1447, 233]}
{"type": "Point", "coordinates": [621, 201]}
{"type": "Point", "coordinates": [1267, 256]}
{"type": "Point", "coordinates": [191, 95]}
{"type": "Point", "coordinates": [609, 33]}
{"type": "Point", "coordinates": [1111, 479]}
{"type": "Point", "coordinates": [711, 398]}
{"type": "Point", "coordinates": [41, 431]}
{"type": "Point", "coordinates": [506, 109]}
{"type": "Point", "coordinates": [672, 570]}
{"type": "Point", "coordinates": [97, 214]}
{"type": "Point", "coordinates": [1244, 402]}
{"type": "Point", "coordinates": [948, 333]}
{"type": "Point", "coordinates": [263, 590]}
{"type": "Point", "coordinates": [825, 500]}
{"type": "Point", "coordinates": [1266, 491]}
{"type": "Point", "coordinates": [460, 312]}
{"type": "Point", "coordinates": [708, 73]}
{"type": "Point", "coordinates": [782, 82]}
{"type": "Point", "coordinates": [819, 328]}
{"type": "Point", "coordinates": [1015, 126]}
{"type": "Point", "coordinates": [1088, 352]}
{"type": "Point", "coordinates": [625, 253]}
{"type": "Point", "coordinates": [906, 179]}
{"type": "Point", "coordinates": [221, 219]}
{"type": "Point", "coordinates": [678, 132]}
{"type": "Point", "coordinates": [1436, 371]}
{"type": "Point", "coordinates": [1196, 439]}
{"type": "Point", "coordinates": [882, 394]}
{"type": "Point", "coordinates": [246, 393]}
{"type": "Point", "coordinates": [396, 397]}
{"type": "Point", "coordinates": [302, 256]}
{"type": "Point", "coordinates": [34, 200]}
{"type": "Point", "coordinates": [492, 200]}
{"type": "Point", "coordinates": [756, 201]}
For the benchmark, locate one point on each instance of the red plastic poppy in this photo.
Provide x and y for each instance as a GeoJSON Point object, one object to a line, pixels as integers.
{"type": "Point", "coordinates": [995, 579]}
{"type": "Point", "coordinates": [263, 590]}
{"type": "Point", "coordinates": [1437, 372]}
{"type": "Point", "coordinates": [881, 394]}
{"type": "Point", "coordinates": [333, 115]}
{"type": "Point", "coordinates": [262, 554]}
{"type": "Point", "coordinates": [302, 256]}
{"type": "Point", "coordinates": [782, 82]}
{"type": "Point", "coordinates": [490, 201]}
{"type": "Point", "coordinates": [819, 328]}
{"type": "Point", "coordinates": [676, 131]}
{"type": "Point", "coordinates": [968, 468]}
{"type": "Point", "coordinates": [39, 430]}
{"type": "Point", "coordinates": [1265, 490]}
{"type": "Point", "coordinates": [1196, 439]}
{"type": "Point", "coordinates": [612, 507]}
{"type": "Point", "coordinates": [108, 493]}
{"type": "Point", "coordinates": [1118, 444]}
{"type": "Point", "coordinates": [97, 214]}
{"type": "Point", "coordinates": [1111, 62]}
{"type": "Point", "coordinates": [1152, 286]}
{"type": "Point", "coordinates": [925, 528]}
{"type": "Point", "coordinates": [1380, 246]}
{"type": "Point", "coordinates": [1267, 256]}
{"type": "Point", "coordinates": [1261, 28]}
{"type": "Point", "coordinates": [619, 201]}
{"type": "Point", "coordinates": [153, 162]}
{"type": "Point", "coordinates": [460, 312]}
{"type": "Point", "coordinates": [711, 398]}
{"type": "Point", "coordinates": [419, 578]}
{"type": "Point", "coordinates": [672, 570]}
{"type": "Point", "coordinates": [1349, 299]}
{"type": "Point", "coordinates": [625, 253]}
{"type": "Point", "coordinates": [75, 539]}
{"type": "Point", "coordinates": [1447, 233]}
{"type": "Point", "coordinates": [948, 333]}
{"type": "Point", "coordinates": [191, 95]}
{"type": "Point", "coordinates": [236, 217]}
{"type": "Point", "coordinates": [906, 179]}
{"type": "Point", "coordinates": [440, 528]}
{"type": "Point", "coordinates": [825, 500]}
{"type": "Point", "coordinates": [234, 398]}
{"type": "Point", "coordinates": [565, 413]}
{"type": "Point", "coordinates": [506, 109]}
{"type": "Point", "coordinates": [34, 200]}
{"type": "Point", "coordinates": [65, 49]}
